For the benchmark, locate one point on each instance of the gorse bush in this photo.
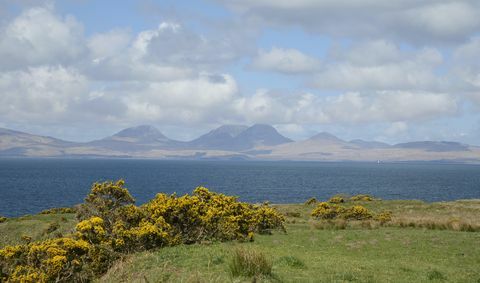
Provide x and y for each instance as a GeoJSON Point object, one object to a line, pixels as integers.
{"type": "Point", "coordinates": [356, 212]}
{"type": "Point", "coordinates": [311, 201]}
{"type": "Point", "coordinates": [362, 198]}
{"type": "Point", "coordinates": [325, 210]}
{"type": "Point", "coordinates": [3, 219]}
{"type": "Point", "coordinates": [331, 210]}
{"type": "Point", "coordinates": [384, 217]}
{"type": "Point", "coordinates": [57, 260]}
{"type": "Point", "coordinates": [111, 225]}
{"type": "Point", "coordinates": [336, 199]}
{"type": "Point", "coordinates": [58, 210]}
{"type": "Point", "coordinates": [211, 216]}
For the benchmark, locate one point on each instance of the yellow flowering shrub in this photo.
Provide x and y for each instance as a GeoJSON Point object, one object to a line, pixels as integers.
{"type": "Point", "coordinates": [336, 199]}
{"type": "Point", "coordinates": [356, 212]}
{"type": "Point", "coordinates": [325, 210]}
{"type": "Point", "coordinates": [56, 260]}
{"type": "Point", "coordinates": [92, 230]}
{"type": "Point", "coordinates": [110, 224]}
{"type": "Point", "coordinates": [105, 200]}
{"type": "Point", "coordinates": [207, 215]}
{"type": "Point", "coordinates": [268, 218]}
{"type": "Point", "coordinates": [328, 211]}
{"type": "Point", "coordinates": [362, 198]}
{"type": "Point", "coordinates": [58, 210]}
{"type": "Point", "coordinates": [384, 217]}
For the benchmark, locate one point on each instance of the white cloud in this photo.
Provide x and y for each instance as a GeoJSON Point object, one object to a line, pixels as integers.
{"type": "Point", "coordinates": [284, 60]}
{"type": "Point", "coordinates": [412, 21]}
{"type": "Point", "coordinates": [347, 108]}
{"type": "Point", "coordinates": [396, 129]}
{"type": "Point", "coordinates": [40, 94]}
{"type": "Point", "coordinates": [50, 72]}
{"type": "Point", "coordinates": [172, 43]}
{"type": "Point", "coordinates": [190, 101]}
{"type": "Point", "coordinates": [38, 36]}
{"type": "Point", "coordinates": [111, 43]}
{"type": "Point", "coordinates": [380, 65]}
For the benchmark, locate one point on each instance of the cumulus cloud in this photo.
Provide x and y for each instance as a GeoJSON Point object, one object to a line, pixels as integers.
{"type": "Point", "coordinates": [108, 44]}
{"type": "Point", "coordinates": [190, 101]}
{"type": "Point", "coordinates": [173, 44]}
{"type": "Point", "coordinates": [347, 108]}
{"type": "Point", "coordinates": [38, 36]}
{"type": "Point", "coordinates": [284, 60]}
{"type": "Point", "coordinates": [412, 21]}
{"type": "Point", "coordinates": [381, 65]}
{"type": "Point", "coordinates": [170, 74]}
{"type": "Point", "coordinates": [40, 93]}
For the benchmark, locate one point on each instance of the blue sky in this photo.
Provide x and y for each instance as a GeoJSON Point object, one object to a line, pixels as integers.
{"type": "Point", "coordinates": [390, 71]}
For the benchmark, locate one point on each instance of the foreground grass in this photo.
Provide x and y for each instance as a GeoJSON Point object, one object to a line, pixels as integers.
{"type": "Point", "coordinates": [308, 254]}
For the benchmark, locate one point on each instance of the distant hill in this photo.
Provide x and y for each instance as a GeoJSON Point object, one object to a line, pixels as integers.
{"type": "Point", "coordinates": [219, 138]}
{"type": "Point", "coordinates": [15, 143]}
{"type": "Point", "coordinates": [138, 138]}
{"type": "Point", "coordinates": [256, 136]}
{"type": "Point", "coordinates": [325, 137]}
{"type": "Point", "coordinates": [239, 138]}
{"type": "Point", "coordinates": [258, 142]}
{"type": "Point", "coordinates": [369, 144]}
{"type": "Point", "coordinates": [441, 146]}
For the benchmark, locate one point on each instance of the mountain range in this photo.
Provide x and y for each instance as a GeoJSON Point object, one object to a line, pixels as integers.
{"type": "Point", "coordinates": [257, 142]}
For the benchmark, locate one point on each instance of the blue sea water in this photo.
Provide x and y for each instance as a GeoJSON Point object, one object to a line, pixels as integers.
{"type": "Point", "coordinates": [28, 186]}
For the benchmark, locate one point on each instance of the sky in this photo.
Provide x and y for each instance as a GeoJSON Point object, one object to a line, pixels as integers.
{"type": "Point", "coordinates": [391, 71]}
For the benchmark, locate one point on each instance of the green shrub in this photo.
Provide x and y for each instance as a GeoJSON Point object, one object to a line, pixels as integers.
{"type": "Point", "coordinates": [3, 219]}
{"type": "Point", "coordinates": [435, 275]}
{"type": "Point", "coordinates": [294, 214]}
{"type": "Point", "coordinates": [249, 262]}
{"type": "Point", "coordinates": [105, 200]}
{"type": "Point", "coordinates": [26, 239]}
{"type": "Point", "coordinates": [51, 228]}
{"type": "Point", "coordinates": [311, 201]}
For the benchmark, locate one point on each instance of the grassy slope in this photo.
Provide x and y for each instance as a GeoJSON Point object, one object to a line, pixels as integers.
{"type": "Point", "coordinates": [34, 226]}
{"type": "Point", "coordinates": [307, 254]}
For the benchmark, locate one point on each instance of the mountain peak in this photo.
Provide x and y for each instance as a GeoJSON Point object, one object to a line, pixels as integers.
{"type": "Point", "coordinates": [232, 130]}
{"type": "Point", "coordinates": [324, 136]}
{"type": "Point", "coordinates": [142, 131]}
{"type": "Point", "coordinates": [259, 135]}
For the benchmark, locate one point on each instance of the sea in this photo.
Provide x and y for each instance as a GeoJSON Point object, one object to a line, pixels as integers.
{"type": "Point", "coordinates": [28, 186]}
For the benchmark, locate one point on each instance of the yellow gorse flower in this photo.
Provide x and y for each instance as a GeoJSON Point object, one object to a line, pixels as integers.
{"type": "Point", "coordinates": [111, 224]}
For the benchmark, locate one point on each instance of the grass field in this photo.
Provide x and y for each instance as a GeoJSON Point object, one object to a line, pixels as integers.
{"type": "Point", "coordinates": [424, 243]}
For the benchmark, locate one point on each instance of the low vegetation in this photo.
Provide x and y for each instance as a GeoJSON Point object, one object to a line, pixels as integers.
{"type": "Point", "coordinates": [209, 237]}
{"type": "Point", "coordinates": [111, 226]}
{"type": "Point", "coordinates": [249, 263]}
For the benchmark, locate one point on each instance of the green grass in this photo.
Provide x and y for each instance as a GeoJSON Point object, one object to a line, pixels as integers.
{"type": "Point", "coordinates": [37, 227]}
{"type": "Point", "coordinates": [308, 254]}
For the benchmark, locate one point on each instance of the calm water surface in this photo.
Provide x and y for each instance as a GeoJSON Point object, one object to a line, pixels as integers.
{"type": "Point", "coordinates": [28, 186]}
